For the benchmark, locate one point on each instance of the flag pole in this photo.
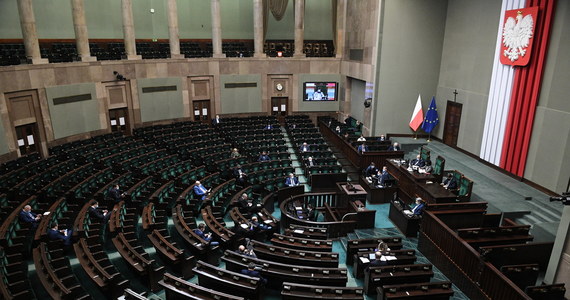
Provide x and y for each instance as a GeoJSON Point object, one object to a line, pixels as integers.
{"type": "Point", "coordinates": [415, 135]}
{"type": "Point", "coordinates": [429, 137]}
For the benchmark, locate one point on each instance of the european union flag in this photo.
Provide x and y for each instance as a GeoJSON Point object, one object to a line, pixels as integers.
{"type": "Point", "coordinates": [431, 119]}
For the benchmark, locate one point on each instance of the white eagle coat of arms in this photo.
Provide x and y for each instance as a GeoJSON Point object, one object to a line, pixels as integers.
{"type": "Point", "coordinates": [518, 33]}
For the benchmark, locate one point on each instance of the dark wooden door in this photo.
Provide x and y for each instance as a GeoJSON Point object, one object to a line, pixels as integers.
{"type": "Point", "coordinates": [201, 111]}
{"type": "Point", "coordinates": [452, 122]}
{"type": "Point", "coordinates": [119, 119]}
{"type": "Point", "coordinates": [279, 107]}
{"type": "Point", "coordinates": [27, 138]}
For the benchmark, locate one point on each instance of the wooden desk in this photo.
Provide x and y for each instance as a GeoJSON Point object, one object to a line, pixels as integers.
{"type": "Point", "coordinates": [413, 184]}
{"type": "Point", "coordinates": [378, 195]}
{"type": "Point", "coordinates": [403, 257]}
{"type": "Point", "coordinates": [378, 276]}
{"type": "Point", "coordinates": [408, 225]}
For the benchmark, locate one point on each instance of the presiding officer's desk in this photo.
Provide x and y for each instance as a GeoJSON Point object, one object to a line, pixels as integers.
{"type": "Point", "coordinates": [413, 184]}
{"type": "Point", "coordinates": [407, 224]}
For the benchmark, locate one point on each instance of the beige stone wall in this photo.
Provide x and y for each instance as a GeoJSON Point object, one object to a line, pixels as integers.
{"type": "Point", "coordinates": [39, 77]}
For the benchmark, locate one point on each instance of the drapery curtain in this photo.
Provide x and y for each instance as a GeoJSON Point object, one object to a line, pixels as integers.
{"type": "Point", "coordinates": [333, 15]}
{"type": "Point", "coordinates": [278, 8]}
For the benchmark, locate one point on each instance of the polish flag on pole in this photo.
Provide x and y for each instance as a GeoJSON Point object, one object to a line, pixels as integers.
{"type": "Point", "coordinates": [418, 115]}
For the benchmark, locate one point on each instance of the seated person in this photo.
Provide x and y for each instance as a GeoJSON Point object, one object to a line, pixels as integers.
{"type": "Point", "coordinates": [382, 138]}
{"type": "Point", "coordinates": [291, 180]}
{"type": "Point", "coordinates": [246, 205]}
{"type": "Point", "coordinates": [201, 191]}
{"type": "Point", "coordinates": [55, 234]}
{"type": "Point", "coordinates": [235, 153]}
{"type": "Point", "coordinates": [358, 126]}
{"type": "Point", "coordinates": [337, 129]}
{"type": "Point", "coordinates": [240, 175]}
{"type": "Point", "coordinates": [246, 252]}
{"type": "Point", "coordinates": [419, 208]}
{"type": "Point", "coordinates": [269, 126]}
{"type": "Point", "coordinates": [362, 148]}
{"type": "Point", "coordinates": [216, 120]}
{"type": "Point", "coordinates": [383, 176]}
{"type": "Point", "coordinates": [382, 247]}
{"type": "Point", "coordinates": [428, 167]}
{"type": "Point", "coordinates": [450, 183]}
{"type": "Point", "coordinates": [371, 170]}
{"type": "Point", "coordinates": [310, 162]}
{"type": "Point", "coordinates": [395, 147]}
{"type": "Point", "coordinates": [379, 260]}
{"type": "Point", "coordinates": [27, 216]}
{"type": "Point", "coordinates": [311, 213]}
{"type": "Point", "coordinates": [96, 213]}
{"type": "Point", "coordinates": [259, 226]}
{"type": "Point", "coordinates": [264, 157]}
{"type": "Point", "coordinates": [346, 136]}
{"type": "Point", "coordinates": [418, 162]}
{"type": "Point", "coordinates": [115, 194]}
{"type": "Point", "coordinates": [201, 232]}
{"type": "Point", "coordinates": [361, 138]}
{"type": "Point", "coordinates": [305, 147]}
{"type": "Point", "coordinates": [250, 271]}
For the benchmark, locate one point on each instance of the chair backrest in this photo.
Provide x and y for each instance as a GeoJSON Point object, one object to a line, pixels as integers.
{"type": "Point", "coordinates": [425, 154]}
{"type": "Point", "coordinates": [439, 165]}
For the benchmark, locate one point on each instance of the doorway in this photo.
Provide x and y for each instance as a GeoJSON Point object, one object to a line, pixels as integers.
{"type": "Point", "coordinates": [27, 138]}
{"type": "Point", "coordinates": [452, 122]}
{"type": "Point", "coordinates": [201, 111]}
{"type": "Point", "coordinates": [119, 119]}
{"type": "Point", "coordinates": [279, 107]}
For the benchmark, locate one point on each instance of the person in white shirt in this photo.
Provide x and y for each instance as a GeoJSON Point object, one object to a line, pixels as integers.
{"type": "Point", "coordinates": [361, 139]}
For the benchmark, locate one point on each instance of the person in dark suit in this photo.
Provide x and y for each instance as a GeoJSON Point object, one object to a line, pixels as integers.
{"type": "Point", "coordinates": [305, 147]}
{"type": "Point", "coordinates": [379, 260]}
{"type": "Point", "coordinates": [115, 194]}
{"type": "Point", "coordinates": [419, 208]}
{"type": "Point", "coordinates": [310, 162]}
{"type": "Point", "coordinates": [235, 153]}
{"type": "Point", "coordinates": [55, 234]}
{"type": "Point", "coordinates": [383, 176]}
{"type": "Point", "coordinates": [95, 212]}
{"type": "Point", "coordinates": [428, 167]}
{"type": "Point", "coordinates": [27, 216]}
{"type": "Point", "coordinates": [269, 126]}
{"type": "Point", "coordinates": [247, 252]}
{"type": "Point", "coordinates": [240, 175]}
{"type": "Point", "coordinates": [395, 147]}
{"type": "Point", "coordinates": [450, 183]}
{"type": "Point", "coordinates": [264, 157]}
{"type": "Point", "coordinates": [201, 191]}
{"type": "Point", "coordinates": [362, 148]}
{"type": "Point", "coordinates": [246, 205]}
{"type": "Point", "coordinates": [337, 129]}
{"type": "Point", "coordinates": [201, 232]}
{"type": "Point", "coordinates": [371, 170]}
{"type": "Point", "coordinates": [216, 121]}
{"type": "Point", "coordinates": [250, 271]}
{"type": "Point", "coordinates": [311, 213]}
{"type": "Point", "coordinates": [259, 226]}
{"type": "Point", "coordinates": [381, 138]}
{"type": "Point", "coordinates": [291, 180]}
{"type": "Point", "coordinates": [418, 162]}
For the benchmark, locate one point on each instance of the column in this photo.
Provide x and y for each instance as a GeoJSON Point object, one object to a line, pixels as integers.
{"type": "Point", "coordinates": [258, 28]}
{"type": "Point", "coordinates": [28, 25]}
{"type": "Point", "coordinates": [299, 28]}
{"type": "Point", "coordinates": [80, 27]}
{"type": "Point", "coordinates": [340, 27]}
{"type": "Point", "coordinates": [129, 30]}
{"type": "Point", "coordinates": [216, 30]}
{"type": "Point", "coordinates": [173, 37]}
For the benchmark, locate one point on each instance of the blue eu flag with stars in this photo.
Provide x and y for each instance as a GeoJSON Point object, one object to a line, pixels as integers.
{"type": "Point", "coordinates": [431, 119]}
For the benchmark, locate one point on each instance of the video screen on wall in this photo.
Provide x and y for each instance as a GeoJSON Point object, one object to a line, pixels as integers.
{"type": "Point", "coordinates": [320, 91]}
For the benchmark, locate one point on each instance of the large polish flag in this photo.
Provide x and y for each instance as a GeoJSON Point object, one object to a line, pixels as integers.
{"type": "Point", "coordinates": [418, 115]}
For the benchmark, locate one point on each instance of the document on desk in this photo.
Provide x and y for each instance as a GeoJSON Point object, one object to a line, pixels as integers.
{"type": "Point", "coordinates": [298, 231]}
{"type": "Point", "coordinates": [267, 221]}
{"type": "Point", "coordinates": [364, 260]}
{"type": "Point", "coordinates": [390, 257]}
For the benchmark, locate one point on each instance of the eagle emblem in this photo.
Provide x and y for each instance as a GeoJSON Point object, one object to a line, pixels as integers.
{"type": "Point", "coordinates": [518, 33]}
